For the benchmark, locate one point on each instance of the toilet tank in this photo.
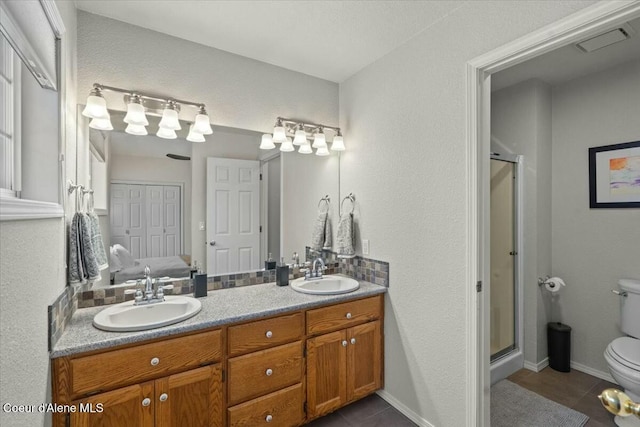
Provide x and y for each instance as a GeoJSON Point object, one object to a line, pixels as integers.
{"type": "Point", "coordinates": [630, 309]}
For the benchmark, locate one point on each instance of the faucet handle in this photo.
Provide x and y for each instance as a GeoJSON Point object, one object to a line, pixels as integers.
{"type": "Point", "coordinates": [147, 271]}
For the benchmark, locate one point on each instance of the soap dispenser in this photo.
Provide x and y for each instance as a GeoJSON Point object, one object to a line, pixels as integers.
{"type": "Point", "coordinates": [282, 273]}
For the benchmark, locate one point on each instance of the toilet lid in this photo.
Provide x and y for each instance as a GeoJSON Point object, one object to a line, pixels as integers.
{"type": "Point", "coordinates": [627, 351]}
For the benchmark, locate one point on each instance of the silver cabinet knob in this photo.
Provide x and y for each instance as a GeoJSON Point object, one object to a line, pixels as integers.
{"type": "Point", "coordinates": [212, 243]}
{"type": "Point", "coordinates": [269, 418]}
{"type": "Point", "coordinates": [269, 334]}
{"type": "Point", "coordinates": [348, 316]}
{"type": "Point", "coordinates": [269, 372]}
{"type": "Point", "coordinates": [146, 401]}
{"type": "Point", "coordinates": [155, 361]}
{"type": "Point", "coordinates": [353, 340]}
{"type": "Point", "coordinates": [163, 397]}
{"type": "Point", "coordinates": [344, 343]}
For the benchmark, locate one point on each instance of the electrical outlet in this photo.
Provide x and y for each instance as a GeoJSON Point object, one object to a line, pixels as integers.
{"type": "Point", "coordinates": [365, 246]}
{"type": "Point", "coordinates": [201, 225]}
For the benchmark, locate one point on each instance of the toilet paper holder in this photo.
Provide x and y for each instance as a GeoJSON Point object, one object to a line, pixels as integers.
{"type": "Point", "coordinates": [542, 281]}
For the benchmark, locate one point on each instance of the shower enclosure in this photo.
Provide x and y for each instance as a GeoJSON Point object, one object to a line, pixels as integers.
{"type": "Point", "coordinates": [505, 335]}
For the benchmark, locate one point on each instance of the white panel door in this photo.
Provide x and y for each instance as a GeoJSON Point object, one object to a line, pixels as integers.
{"type": "Point", "coordinates": [136, 215]}
{"type": "Point", "coordinates": [172, 221]}
{"type": "Point", "coordinates": [118, 214]}
{"type": "Point", "coordinates": [155, 221]}
{"type": "Point", "coordinates": [233, 215]}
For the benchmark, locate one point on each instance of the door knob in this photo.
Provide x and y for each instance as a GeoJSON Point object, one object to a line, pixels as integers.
{"type": "Point", "coordinates": [212, 243]}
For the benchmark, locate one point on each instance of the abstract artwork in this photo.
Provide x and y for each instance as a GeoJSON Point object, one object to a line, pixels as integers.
{"type": "Point", "coordinates": [614, 176]}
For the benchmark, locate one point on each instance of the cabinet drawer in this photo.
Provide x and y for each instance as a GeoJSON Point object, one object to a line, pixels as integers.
{"type": "Point", "coordinates": [264, 371]}
{"type": "Point", "coordinates": [343, 315]}
{"type": "Point", "coordinates": [265, 333]}
{"type": "Point", "coordinates": [116, 368]}
{"type": "Point", "coordinates": [282, 408]}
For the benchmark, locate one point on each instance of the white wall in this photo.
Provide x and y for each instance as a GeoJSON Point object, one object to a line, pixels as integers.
{"type": "Point", "coordinates": [239, 92]}
{"type": "Point", "coordinates": [521, 124]}
{"type": "Point", "coordinates": [32, 260]}
{"type": "Point", "coordinates": [592, 248]}
{"type": "Point", "coordinates": [306, 179]}
{"type": "Point", "coordinates": [404, 123]}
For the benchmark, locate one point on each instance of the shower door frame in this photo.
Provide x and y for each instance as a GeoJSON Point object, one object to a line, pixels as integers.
{"type": "Point", "coordinates": [512, 360]}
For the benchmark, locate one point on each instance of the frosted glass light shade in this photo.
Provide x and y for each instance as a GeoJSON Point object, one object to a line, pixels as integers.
{"type": "Point", "coordinates": [96, 108]}
{"type": "Point", "coordinates": [195, 136]}
{"type": "Point", "coordinates": [305, 149]}
{"type": "Point", "coordinates": [279, 134]}
{"type": "Point", "coordinates": [101, 124]}
{"type": "Point", "coordinates": [267, 142]}
{"type": "Point", "coordinates": [322, 151]}
{"type": "Point", "coordinates": [300, 137]}
{"type": "Point", "coordinates": [169, 120]}
{"type": "Point", "coordinates": [202, 125]}
{"type": "Point", "coordinates": [338, 144]}
{"type": "Point", "coordinates": [319, 140]}
{"type": "Point", "coordinates": [135, 115]}
{"type": "Point", "coordinates": [136, 130]}
{"type": "Point", "coordinates": [166, 133]}
{"type": "Point", "coordinates": [287, 145]}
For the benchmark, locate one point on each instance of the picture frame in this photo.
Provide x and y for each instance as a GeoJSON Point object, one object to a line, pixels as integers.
{"type": "Point", "coordinates": [614, 176]}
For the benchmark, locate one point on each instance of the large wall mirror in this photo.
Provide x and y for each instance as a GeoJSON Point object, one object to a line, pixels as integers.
{"type": "Point", "coordinates": [223, 206]}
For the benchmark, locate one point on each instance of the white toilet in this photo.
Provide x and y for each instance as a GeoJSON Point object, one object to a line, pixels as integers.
{"type": "Point", "coordinates": [623, 354]}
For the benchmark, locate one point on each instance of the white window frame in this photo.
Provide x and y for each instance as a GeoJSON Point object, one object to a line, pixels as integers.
{"type": "Point", "coordinates": [11, 160]}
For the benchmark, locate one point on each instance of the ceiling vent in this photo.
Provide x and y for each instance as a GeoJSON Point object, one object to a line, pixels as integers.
{"type": "Point", "coordinates": [606, 39]}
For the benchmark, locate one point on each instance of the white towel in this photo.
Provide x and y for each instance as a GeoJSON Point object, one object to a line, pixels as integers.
{"type": "Point", "coordinates": [327, 233]}
{"type": "Point", "coordinates": [346, 237]}
{"type": "Point", "coordinates": [318, 236]}
{"type": "Point", "coordinates": [96, 241]}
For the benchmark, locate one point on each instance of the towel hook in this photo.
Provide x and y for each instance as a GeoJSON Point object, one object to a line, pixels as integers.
{"type": "Point", "coordinates": [71, 186]}
{"type": "Point", "coordinates": [325, 199]}
{"type": "Point", "coordinates": [351, 198]}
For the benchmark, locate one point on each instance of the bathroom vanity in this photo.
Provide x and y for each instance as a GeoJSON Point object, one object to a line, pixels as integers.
{"type": "Point", "coordinates": [281, 359]}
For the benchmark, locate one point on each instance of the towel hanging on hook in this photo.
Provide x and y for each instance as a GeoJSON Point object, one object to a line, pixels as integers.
{"type": "Point", "coordinates": [352, 199]}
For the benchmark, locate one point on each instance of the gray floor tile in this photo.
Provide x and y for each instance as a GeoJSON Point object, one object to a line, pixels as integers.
{"type": "Point", "coordinates": [364, 408]}
{"type": "Point", "coordinates": [332, 420]}
{"type": "Point", "coordinates": [390, 417]}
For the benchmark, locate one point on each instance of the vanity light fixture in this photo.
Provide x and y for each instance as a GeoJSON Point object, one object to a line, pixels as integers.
{"type": "Point", "coordinates": [301, 132]}
{"type": "Point", "coordinates": [138, 106]}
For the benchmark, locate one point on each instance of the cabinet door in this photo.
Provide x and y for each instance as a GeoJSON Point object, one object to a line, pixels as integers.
{"type": "Point", "coordinates": [326, 373]}
{"type": "Point", "coordinates": [364, 360]}
{"type": "Point", "coordinates": [192, 398]}
{"type": "Point", "coordinates": [129, 406]}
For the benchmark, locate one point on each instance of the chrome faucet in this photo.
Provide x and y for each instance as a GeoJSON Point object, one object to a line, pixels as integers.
{"type": "Point", "coordinates": [148, 284]}
{"type": "Point", "coordinates": [315, 272]}
{"type": "Point", "coordinates": [149, 296]}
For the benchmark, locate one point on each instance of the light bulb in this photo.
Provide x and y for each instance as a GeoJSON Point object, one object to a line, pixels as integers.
{"type": "Point", "coordinates": [322, 151]}
{"type": "Point", "coordinates": [287, 145]}
{"type": "Point", "coordinates": [195, 136]}
{"type": "Point", "coordinates": [101, 124]}
{"type": "Point", "coordinates": [202, 123]}
{"type": "Point", "coordinates": [136, 130]}
{"type": "Point", "coordinates": [170, 118]}
{"type": "Point", "coordinates": [305, 149]}
{"type": "Point", "coordinates": [319, 140]}
{"type": "Point", "coordinates": [300, 137]}
{"type": "Point", "coordinates": [338, 143]}
{"type": "Point", "coordinates": [96, 107]}
{"type": "Point", "coordinates": [267, 142]}
{"type": "Point", "coordinates": [279, 133]}
{"type": "Point", "coordinates": [135, 113]}
{"type": "Point", "coordinates": [166, 133]}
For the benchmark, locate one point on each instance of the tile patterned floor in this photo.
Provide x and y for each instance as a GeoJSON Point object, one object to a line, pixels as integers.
{"type": "Point", "coordinates": [371, 411]}
{"type": "Point", "coordinates": [575, 390]}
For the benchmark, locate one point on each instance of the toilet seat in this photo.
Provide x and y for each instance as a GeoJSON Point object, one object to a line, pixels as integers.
{"type": "Point", "coordinates": [625, 351]}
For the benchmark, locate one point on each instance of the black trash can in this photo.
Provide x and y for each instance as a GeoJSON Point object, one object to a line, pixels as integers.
{"type": "Point", "coordinates": [559, 346]}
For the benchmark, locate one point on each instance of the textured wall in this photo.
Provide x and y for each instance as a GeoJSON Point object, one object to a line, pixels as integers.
{"type": "Point", "coordinates": [239, 92]}
{"type": "Point", "coordinates": [32, 273]}
{"type": "Point", "coordinates": [404, 124]}
{"type": "Point", "coordinates": [521, 124]}
{"type": "Point", "coordinates": [592, 248]}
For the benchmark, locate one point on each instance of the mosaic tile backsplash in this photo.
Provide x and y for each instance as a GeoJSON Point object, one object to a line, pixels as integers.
{"type": "Point", "coordinates": [73, 297]}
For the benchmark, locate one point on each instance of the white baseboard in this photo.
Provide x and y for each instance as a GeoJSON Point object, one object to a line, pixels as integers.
{"type": "Point", "coordinates": [593, 372]}
{"type": "Point", "coordinates": [404, 409]}
{"type": "Point", "coordinates": [537, 367]}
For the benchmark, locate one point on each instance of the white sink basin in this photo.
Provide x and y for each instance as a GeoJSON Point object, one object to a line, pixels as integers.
{"type": "Point", "coordinates": [328, 285]}
{"type": "Point", "coordinates": [126, 317]}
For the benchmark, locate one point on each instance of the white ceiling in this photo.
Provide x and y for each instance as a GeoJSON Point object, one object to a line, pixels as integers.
{"type": "Point", "coordinates": [328, 39]}
{"type": "Point", "coordinates": [569, 62]}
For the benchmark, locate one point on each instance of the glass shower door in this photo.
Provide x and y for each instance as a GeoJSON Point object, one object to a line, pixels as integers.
{"type": "Point", "coordinates": [503, 294]}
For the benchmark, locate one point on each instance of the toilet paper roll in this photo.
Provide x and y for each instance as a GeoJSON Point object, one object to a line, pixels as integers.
{"type": "Point", "coordinates": [554, 284]}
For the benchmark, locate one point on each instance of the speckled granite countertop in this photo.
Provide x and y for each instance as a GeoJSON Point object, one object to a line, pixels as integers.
{"type": "Point", "coordinates": [219, 307]}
